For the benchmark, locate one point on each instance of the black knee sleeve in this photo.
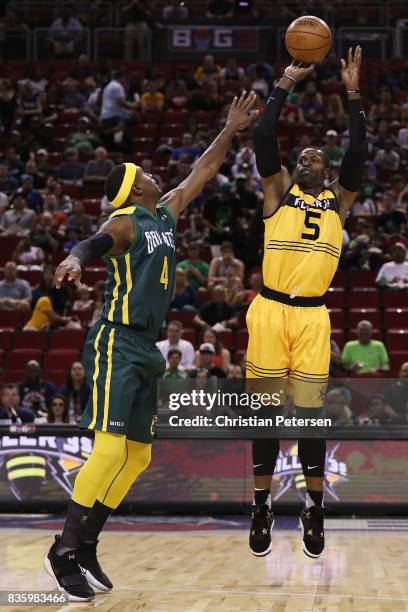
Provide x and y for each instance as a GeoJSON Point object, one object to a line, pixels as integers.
{"type": "Point", "coordinates": [265, 452]}
{"type": "Point", "coordinates": [312, 456]}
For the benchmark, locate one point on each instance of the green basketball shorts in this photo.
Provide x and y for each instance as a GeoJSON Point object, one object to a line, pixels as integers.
{"type": "Point", "coordinates": [122, 370]}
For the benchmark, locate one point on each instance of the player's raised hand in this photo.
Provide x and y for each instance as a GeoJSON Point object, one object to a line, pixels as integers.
{"type": "Point", "coordinates": [71, 266]}
{"type": "Point", "coordinates": [298, 71]}
{"type": "Point", "coordinates": [350, 69]}
{"type": "Point", "coordinates": [242, 112]}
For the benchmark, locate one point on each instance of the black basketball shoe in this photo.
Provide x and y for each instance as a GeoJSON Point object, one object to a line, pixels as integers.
{"type": "Point", "coordinates": [67, 574]}
{"type": "Point", "coordinates": [96, 577]}
{"type": "Point", "coordinates": [311, 522]}
{"type": "Point", "coordinates": [260, 533]}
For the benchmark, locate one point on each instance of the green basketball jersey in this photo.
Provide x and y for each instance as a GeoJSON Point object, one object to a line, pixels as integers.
{"type": "Point", "coordinates": [139, 286]}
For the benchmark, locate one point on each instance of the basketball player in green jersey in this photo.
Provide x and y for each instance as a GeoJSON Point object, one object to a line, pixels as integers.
{"type": "Point", "coordinates": [120, 355]}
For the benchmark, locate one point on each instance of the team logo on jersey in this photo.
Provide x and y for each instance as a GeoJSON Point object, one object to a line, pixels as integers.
{"type": "Point", "coordinates": [289, 474]}
{"type": "Point", "coordinates": [155, 239]}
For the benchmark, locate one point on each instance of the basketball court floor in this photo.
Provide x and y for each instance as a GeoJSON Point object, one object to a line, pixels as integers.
{"type": "Point", "coordinates": [204, 564]}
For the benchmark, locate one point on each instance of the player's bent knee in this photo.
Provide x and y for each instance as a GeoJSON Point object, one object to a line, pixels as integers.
{"type": "Point", "coordinates": [140, 455]}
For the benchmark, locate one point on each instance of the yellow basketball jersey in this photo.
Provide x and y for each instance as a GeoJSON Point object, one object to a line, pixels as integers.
{"type": "Point", "coordinates": [303, 240]}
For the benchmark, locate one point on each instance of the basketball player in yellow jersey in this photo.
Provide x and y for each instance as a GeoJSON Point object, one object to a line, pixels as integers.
{"type": "Point", "coordinates": [288, 324]}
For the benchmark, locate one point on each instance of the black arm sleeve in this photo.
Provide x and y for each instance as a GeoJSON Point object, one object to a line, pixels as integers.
{"type": "Point", "coordinates": [265, 134]}
{"type": "Point", "coordinates": [92, 247]}
{"type": "Point", "coordinates": [351, 170]}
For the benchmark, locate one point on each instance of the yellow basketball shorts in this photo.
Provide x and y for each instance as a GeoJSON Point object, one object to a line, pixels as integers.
{"type": "Point", "coordinates": [292, 344]}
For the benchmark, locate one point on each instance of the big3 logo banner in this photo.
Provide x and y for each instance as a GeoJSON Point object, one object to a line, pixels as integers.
{"type": "Point", "coordinates": [289, 475]}
{"type": "Point", "coordinates": [27, 463]}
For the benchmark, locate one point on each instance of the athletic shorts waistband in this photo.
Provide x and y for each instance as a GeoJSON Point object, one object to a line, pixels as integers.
{"type": "Point", "coordinates": [126, 329]}
{"type": "Point", "coordinates": [296, 300]}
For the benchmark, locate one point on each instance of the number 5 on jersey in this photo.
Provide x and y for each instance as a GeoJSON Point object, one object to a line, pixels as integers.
{"type": "Point", "coordinates": [164, 278]}
{"type": "Point", "coordinates": [310, 225]}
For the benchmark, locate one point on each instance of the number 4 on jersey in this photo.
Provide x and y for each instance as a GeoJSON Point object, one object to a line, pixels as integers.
{"type": "Point", "coordinates": [164, 278]}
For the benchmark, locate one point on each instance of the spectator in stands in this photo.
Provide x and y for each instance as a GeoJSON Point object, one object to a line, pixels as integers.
{"type": "Point", "coordinates": [188, 151]}
{"type": "Point", "coordinates": [11, 410]}
{"type": "Point", "coordinates": [43, 167]}
{"type": "Point", "coordinates": [15, 293]}
{"type": "Point", "coordinates": [394, 274]}
{"type": "Point", "coordinates": [220, 8]}
{"type": "Point", "coordinates": [152, 99]}
{"type": "Point", "coordinates": [39, 179]}
{"type": "Point", "coordinates": [115, 109]}
{"type": "Point", "coordinates": [175, 341]}
{"type": "Point", "coordinates": [44, 236]}
{"type": "Point", "coordinates": [175, 9]}
{"type": "Point", "coordinates": [385, 107]}
{"type": "Point", "coordinates": [183, 298]}
{"type": "Point", "coordinates": [224, 216]}
{"type": "Point", "coordinates": [48, 312]}
{"type": "Point", "coordinates": [396, 394]}
{"type": "Point", "coordinates": [311, 102]}
{"type": "Point", "coordinates": [84, 140]}
{"type": "Point", "coordinates": [217, 313]}
{"type": "Point", "coordinates": [195, 268]}
{"type": "Point", "coordinates": [19, 220]}
{"type": "Point", "coordinates": [245, 163]}
{"type": "Point", "coordinates": [246, 296]}
{"type": "Point", "coordinates": [79, 220]}
{"type": "Point", "coordinates": [334, 111]}
{"type": "Point", "coordinates": [45, 285]}
{"type": "Point", "coordinates": [177, 93]}
{"type": "Point", "coordinates": [83, 299]}
{"type": "Point", "coordinates": [208, 70]}
{"type": "Point", "coordinates": [14, 164]}
{"type": "Point", "coordinates": [65, 33]}
{"type": "Point", "coordinates": [207, 353]}
{"type": "Point", "coordinates": [234, 372]}
{"type": "Point", "coordinates": [378, 412]}
{"type": "Point", "coordinates": [139, 21]}
{"type": "Point", "coordinates": [59, 218]}
{"type": "Point", "coordinates": [72, 99]}
{"type": "Point", "coordinates": [221, 357]}
{"type": "Point", "coordinates": [27, 256]}
{"type": "Point", "coordinates": [231, 71]}
{"type": "Point", "coordinates": [76, 391]}
{"type": "Point", "coordinates": [32, 196]}
{"type": "Point", "coordinates": [225, 265]}
{"type": "Point", "coordinates": [206, 98]}
{"type": "Point", "coordinates": [28, 107]}
{"type": "Point", "coordinates": [336, 367]}
{"type": "Point", "coordinates": [183, 169]}
{"type": "Point", "coordinates": [8, 105]}
{"type": "Point", "coordinates": [7, 183]}
{"type": "Point", "coordinates": [58, 411]}
{"type": "Point", "coordinates": [64, 200]}
{"type": "Point", "coordinates": [174, 371]}
{"type": "Point", "coordinates": [363, 205]}
{"type": "Point", "coordinates": [365, 355]}
{"type": "Point", "coordinates": [71, 169]}
{"type": "Point", "coordinates": [387, 158]}
{"type": "Point", "coordinates": [246, 195]}
{"type": "Point", "coordinates": [98, 169]}
{"type": "Point", "coordinates": [337, 407]}
{"type": "Point", "coordinates": [35, 392]}
{"type": "Point", "coordinates": [331, 148]}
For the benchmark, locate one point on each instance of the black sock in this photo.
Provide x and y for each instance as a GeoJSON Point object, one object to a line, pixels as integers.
{"type": "Point", "coordinates": [76, 517]}
{"type": "Point", "coordinates": [261, 496]}
{"type": "Point", "coordinates": [316, 497]}
{"type": "Point", "coordinates": [95, 522]}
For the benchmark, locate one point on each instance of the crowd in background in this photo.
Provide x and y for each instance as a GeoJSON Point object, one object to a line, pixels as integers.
{"type": "Point", "coordinates": [220, 237]}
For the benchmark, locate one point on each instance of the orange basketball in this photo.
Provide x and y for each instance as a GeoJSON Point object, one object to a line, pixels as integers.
{"type": "Point", "coordinates": [308, 39]}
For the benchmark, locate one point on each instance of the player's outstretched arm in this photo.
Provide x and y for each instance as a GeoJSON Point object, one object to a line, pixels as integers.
{"type": "Point", "coordinates": [113, 237]}
{"type": "Point", "coordinates": [240, 116]}
{"type": "Point", "coordinates": [351, 170]}
{"type": "Point", "coordinates": [275, 178]}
